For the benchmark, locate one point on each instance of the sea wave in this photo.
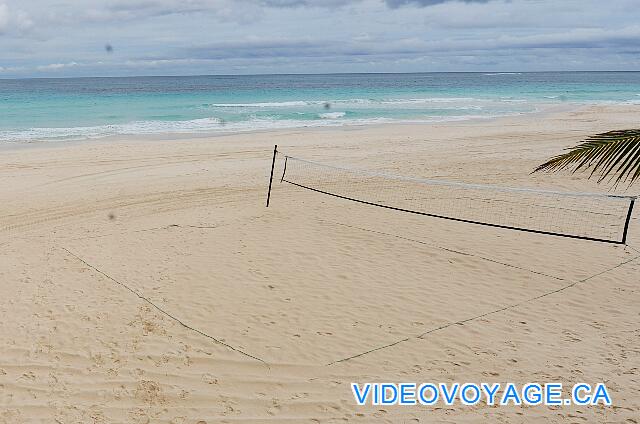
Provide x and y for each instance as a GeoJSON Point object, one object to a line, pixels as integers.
{"type": "Point", "coordinates": [332, 115]}
{"type": "Point", "coordinates": [210, 126]}
{"type": "Point", "coordinates": [503, 73]}
{"type": "Point", "coordinates": [259, 104]}
{"type": "Point", "coordinates": [99, 131]}
{"type": "Point", "coordinates": [355, 101]}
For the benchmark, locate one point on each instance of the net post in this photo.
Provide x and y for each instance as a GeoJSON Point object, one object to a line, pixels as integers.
{"type": "Point", "coordinates": [286, 158]}
{"type": "Point", "coordinates": [273, 164]}
{"type": "Point", "coordinates": [626, 224]}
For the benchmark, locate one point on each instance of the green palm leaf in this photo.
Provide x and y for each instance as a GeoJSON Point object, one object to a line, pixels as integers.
{"type": "Point", "coordinates": [614, 153]}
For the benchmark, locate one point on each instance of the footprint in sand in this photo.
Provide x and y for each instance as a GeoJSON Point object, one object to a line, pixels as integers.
{"type": "Point", "coordinates": [209, 379]}
{"type": "Point", "coordinates": [149, 392]}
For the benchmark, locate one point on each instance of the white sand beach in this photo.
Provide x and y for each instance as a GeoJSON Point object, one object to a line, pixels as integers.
{"type": "Point", "coordinates": [144, 280]}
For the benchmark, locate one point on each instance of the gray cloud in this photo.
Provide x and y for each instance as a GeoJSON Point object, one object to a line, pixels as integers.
{"type": "Point", "coordinates": [4, 17]}
{"type": "Point", "coordinates": [254, 36]}
{"type": "Point", "coordinates": [333, 3]}
{"type": "Point", "coordinates": [306, 3]}
{"type": "Point", "coordinates": [424, 3]}
{"type": "Point", "coordinates": [622, 38]}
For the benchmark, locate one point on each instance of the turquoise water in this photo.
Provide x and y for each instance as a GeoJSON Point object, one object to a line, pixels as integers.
{"type": "Point", "coordinates": [79, 108]}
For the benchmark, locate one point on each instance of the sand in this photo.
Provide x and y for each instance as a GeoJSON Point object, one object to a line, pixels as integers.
{"type": "Point", "coordinates": [145, 281]}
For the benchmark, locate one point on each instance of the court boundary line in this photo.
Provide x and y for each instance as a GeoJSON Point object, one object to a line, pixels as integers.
{"type": "Point", "coordinates": [446, 249]}
{"type": "Point", "coordinates": [164, 312]}
{"type": "Point", "coordinates": [496, 311]}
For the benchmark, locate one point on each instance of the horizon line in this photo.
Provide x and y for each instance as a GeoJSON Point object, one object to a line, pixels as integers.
{"type": "Point", "coordinates": [311, 74]}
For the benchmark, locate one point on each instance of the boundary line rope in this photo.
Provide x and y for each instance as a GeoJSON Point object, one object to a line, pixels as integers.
{"type": "Point", "coordinates": [235, 349]}
{"type": "Point", "coordinates": [446, 249]}
{"type": "Point", "coordinates": [463, 321]}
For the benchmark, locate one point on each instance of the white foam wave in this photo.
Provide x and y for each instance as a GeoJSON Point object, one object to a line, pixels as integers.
{"type": "Point", "coordinates": [612, 102]}
{"type": "Point", "coordinates": [353, 102]}
{"type": "Point", "coordinates": [430, 100]}
{"type": "Point", "coordinates": [332, 115]}
{"type": "Point", "coordinates": [138, 127]}
{"type": "Point", "coordinates": [207, 125]}
{"type": "Point", "coordinates": [260, 104]}
{"type": "Point", "coordinates": [503, 73]}
{"type": "Point", "coordinates": [561, 97]}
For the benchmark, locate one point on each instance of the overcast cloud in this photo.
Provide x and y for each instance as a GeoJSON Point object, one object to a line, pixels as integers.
{"type": "Point", "coordinates": [173, 37]}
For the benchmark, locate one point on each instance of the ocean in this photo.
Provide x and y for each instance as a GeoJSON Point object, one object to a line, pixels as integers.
{"type": "Point", "coordinates": [83, 108]}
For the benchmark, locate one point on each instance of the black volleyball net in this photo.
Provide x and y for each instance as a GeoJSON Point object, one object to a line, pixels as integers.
{"type": "Point", "coordinates": [588, 216]}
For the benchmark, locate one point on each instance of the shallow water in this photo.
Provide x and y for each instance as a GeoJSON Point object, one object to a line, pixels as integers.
{"type": "Point", "coordinates": [78, 108]}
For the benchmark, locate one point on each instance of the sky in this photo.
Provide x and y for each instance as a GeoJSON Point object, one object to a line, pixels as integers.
{"type": "Point", "coordinates": [66, 38]}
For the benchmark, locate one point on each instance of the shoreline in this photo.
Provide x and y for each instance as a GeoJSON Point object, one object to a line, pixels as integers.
{"type": "Point", "coordinates": [547, 109]}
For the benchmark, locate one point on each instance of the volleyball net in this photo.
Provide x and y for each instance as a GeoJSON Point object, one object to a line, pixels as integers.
{"type": "Point", "coordinates": [588, 216]}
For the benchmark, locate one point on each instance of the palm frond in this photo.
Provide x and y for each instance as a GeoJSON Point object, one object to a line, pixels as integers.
{"type": "Point", "coordinates": [614, 154]}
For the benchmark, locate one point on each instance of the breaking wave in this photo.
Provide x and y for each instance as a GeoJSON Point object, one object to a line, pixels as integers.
{"type": "Point", "coordinates": [209, 126]}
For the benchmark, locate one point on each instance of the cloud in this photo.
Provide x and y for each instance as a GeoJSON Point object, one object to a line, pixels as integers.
{"type": "Point", "coordinates": [57, 66]}
{"type": "Point", "coordinates": [423, 3]}
{"type": "Point", "coordinates": [254, 36]}
{"type": "Point", "coordinates": [145, 8]}
{"type": "Point", "coordinates": [4, 17]}
{"type": "Point", "coordinates": [337, 3]}
{"type": "Point", "coordinates": [309, 47]}
{"type": "Point", "coordinates": [306, 3]}
{"type": "Point", "coordinates": [572, 39]}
